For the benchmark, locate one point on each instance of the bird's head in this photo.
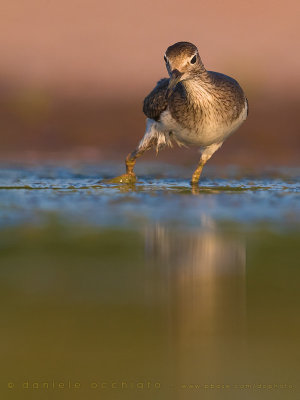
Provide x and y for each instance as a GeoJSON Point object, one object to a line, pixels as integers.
{"type": "Point", "coordinates": [183, 62]}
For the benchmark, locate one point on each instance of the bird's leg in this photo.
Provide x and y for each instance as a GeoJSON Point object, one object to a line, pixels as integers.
{"type": "Point", "coordinates": [206, 153]}
{"type": "Point", "coordinates": [149, 141]}
{"type": "Point", "coordinates": [130, 161]}
{"type": "Point", "coordinates": [197, 173]}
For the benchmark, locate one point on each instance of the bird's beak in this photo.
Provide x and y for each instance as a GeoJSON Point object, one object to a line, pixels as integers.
{"type": "Point", "coordinates": [174, 79]}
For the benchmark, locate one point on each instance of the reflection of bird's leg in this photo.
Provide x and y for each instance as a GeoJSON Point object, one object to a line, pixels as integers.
{"type": "Point", "coordinates": [206, 153]}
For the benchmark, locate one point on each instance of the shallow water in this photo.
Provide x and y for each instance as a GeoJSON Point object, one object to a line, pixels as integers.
{"type": "Point", "coordinates": [82, 195]}
{"type": "Point", "coordinates": [151, 290]}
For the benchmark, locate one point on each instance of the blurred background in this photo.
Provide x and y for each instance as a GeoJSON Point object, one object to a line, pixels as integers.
{"type": "Point", "coordinates": [74, 73]}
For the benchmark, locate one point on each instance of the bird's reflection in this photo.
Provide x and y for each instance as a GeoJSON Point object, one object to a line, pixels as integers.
{"type": "Point", "coordinates": [200, 277]}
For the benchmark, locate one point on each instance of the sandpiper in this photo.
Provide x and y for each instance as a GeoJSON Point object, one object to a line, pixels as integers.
{"type": "Point", "coordinates": [193, 107]}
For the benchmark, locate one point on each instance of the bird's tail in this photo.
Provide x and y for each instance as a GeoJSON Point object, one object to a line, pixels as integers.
{"type": "Point", "coordinates": [154, 137]}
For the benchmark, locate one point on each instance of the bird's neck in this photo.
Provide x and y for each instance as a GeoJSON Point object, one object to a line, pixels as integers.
{"type": "Point", "coordinates": [198, 89]}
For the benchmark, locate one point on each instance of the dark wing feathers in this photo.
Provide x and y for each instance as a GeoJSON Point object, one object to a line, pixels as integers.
{"type": "Point", "coordinates": [155, 103]}
{"type": "Point", "coordinates": [232, 95]}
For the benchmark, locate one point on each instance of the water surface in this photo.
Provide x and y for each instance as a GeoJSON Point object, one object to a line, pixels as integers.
{"type": "Point", "coordinates": [149, 291]}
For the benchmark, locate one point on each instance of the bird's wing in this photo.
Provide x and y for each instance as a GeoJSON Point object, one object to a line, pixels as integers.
{"type": "Point", "coordinates": [231, 91]}
{"type": "Point", "coordinates": [155, 103]}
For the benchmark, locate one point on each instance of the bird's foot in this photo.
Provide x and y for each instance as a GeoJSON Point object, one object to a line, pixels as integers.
{"type": "Point", "coordinates": [195, 187]}
{"type": "Point", "coordinates": [194, 183]}
{"type": "Point", "coordinates": [125, 178]}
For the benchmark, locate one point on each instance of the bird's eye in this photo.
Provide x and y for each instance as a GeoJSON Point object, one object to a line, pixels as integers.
{"type": "Point", "coordinates": [165, 58]}
{"type": "Point", "coordinates": [193, 60]}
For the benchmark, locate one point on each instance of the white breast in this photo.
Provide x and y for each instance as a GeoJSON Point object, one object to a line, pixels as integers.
{"type": "Point", "coordinates": [214, 130]}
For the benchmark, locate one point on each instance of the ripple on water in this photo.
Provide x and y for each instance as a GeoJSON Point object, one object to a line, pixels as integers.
{"type": "Point", "coordinates": [30, 194]}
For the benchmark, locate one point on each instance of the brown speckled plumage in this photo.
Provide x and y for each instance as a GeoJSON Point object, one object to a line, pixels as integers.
{"type": "Point", "coordinates": [155, 103]}
{"type": "Point", "coordinates": [181, 49]}
{"type": "Point", "coordinates": [228, 97]}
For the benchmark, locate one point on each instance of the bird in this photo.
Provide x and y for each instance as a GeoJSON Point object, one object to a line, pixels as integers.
{"type": "Point", "coordinates": [192, 107]}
